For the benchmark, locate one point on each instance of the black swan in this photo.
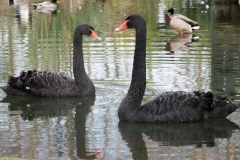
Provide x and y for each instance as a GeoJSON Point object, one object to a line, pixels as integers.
{"type": "Point", "coordinates": [180, 23]}
{"type": "Point", "coordinates": [57, 84]}
{"type": "Point", "coordinates": [178, 106]}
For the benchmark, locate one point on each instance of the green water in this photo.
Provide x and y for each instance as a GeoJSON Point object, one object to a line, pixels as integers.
{"type": "Point", "coordinates": [81, 128]}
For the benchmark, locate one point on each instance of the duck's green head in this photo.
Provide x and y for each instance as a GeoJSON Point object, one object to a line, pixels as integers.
{"type": "Point", "coordinates": [53, 1]}
{"type": "Point", "coordinates": [171, 10]}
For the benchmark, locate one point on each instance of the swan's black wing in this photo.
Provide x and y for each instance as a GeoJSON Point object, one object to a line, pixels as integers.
{"type": "Point", "coordinates": [42, 83]}
{"type": "Point", "coordinates": [175, 107]}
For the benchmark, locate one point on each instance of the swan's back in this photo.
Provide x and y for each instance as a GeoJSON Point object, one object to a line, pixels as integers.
{"type": "Point", "coordinates": [177, 106]}
{"type": "Point", "coordinates": [43, 84]}
{"type": "Point", "coordinates": [165, 102]}
{"type": "Point", "coordinates": [183, 106]}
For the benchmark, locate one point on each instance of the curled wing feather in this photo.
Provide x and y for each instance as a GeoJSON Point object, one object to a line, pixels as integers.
{"type": "Point", "coordinates": [44, 83]}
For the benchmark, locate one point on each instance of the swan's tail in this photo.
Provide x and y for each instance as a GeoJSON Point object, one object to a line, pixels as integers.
{"type": "Point", "coordinates": [22, 82]}
{"type": "Point", "coordinates": [19, 85]}
{"type": "Point", "coordinates": [222, 107]}
{"type": "Point", "coordinates": [216, 107]}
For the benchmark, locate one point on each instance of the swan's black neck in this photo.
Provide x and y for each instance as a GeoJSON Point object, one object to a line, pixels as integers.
{"type": "Point", "coordinates": [82, 80]}
{"type": "Point", "coordinates": [133, 99]}
{"type": "Point", "coordinates": [138, 82]}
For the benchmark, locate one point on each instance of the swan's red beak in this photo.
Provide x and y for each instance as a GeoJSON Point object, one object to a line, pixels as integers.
{"type": "Point", "coordinates": [98, 155]}
{"type": "Point", "coordinates": [122, 27]}
{"type": "Point", "coordinates": [94, 35]}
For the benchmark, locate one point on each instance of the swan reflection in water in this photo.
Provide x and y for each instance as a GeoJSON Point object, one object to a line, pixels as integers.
{"type": "Point", "coordinates": [174, 134]}
{"type": "Point", "coordinates": [180, 43]}
{"type": "Point", "coordinates": [80, 127]}
{"type": "Point", "coordinates": [30, 108]}
{"type": "Point", "coordinates": [37, 107]}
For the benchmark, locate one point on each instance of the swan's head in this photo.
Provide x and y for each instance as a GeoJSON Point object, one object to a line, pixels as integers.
{"type": "Point", "coordinates": [86, 29]}
{"type": "Point", "coordinates": [132, 21]}
{"type": "Point", "coordinates": [171, 10]}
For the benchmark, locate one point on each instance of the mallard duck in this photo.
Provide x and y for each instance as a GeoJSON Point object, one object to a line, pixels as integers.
{"type": "Point", "coordinates": [180, 23]}
{"type": "Point", "coordinates": [50, 5]}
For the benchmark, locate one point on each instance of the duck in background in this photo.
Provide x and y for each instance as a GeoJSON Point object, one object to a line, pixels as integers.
{"type": "Point", "coordinates": [101, 2]}
{"type": "Point", "coordinates": [52, 5]}
{"type": "Point", "coordinates": [22, 11]}
{"type": "Point", "coordinates": [180, 23]}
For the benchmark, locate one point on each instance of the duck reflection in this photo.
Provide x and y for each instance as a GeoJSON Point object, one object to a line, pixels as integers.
{"type": "Point", "coordinates": [80, 121]}
{"type": "Point", "coordinates": [180, 43]}
{"type": "Point", "coordinates": [37, 107]}
{"type": "Point", "coordinates": [22, 10]}
{"type": "Point", "coordinates": [174, 134]}
{"type": "Point", "coordinates": [101, 2]}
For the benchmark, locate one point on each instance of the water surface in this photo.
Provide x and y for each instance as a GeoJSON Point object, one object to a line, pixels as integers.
{"type": "Point", "coordinates": [88, 127]}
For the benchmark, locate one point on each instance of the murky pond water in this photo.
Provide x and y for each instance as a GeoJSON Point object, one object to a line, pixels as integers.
{"type": "Point", "coordinates": [88, 127]}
